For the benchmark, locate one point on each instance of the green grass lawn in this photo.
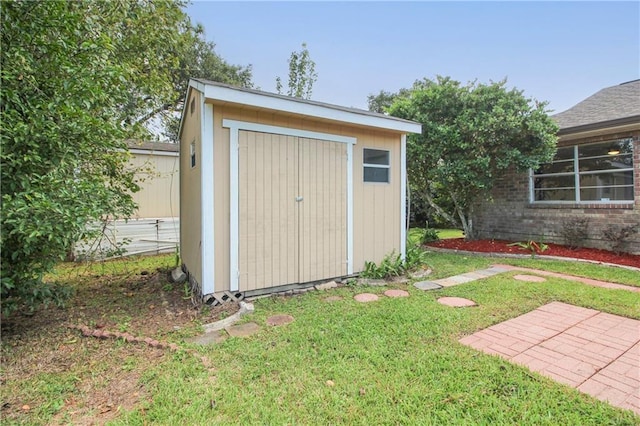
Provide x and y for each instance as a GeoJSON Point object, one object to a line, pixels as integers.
{"type": "Point", "coordinates": [394, 361]}
{"type": "Point", "coordinates": [416, 233]}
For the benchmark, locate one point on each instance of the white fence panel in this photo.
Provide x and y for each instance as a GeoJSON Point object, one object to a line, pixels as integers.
{"type": "Point", "coordinates": [132, 237]}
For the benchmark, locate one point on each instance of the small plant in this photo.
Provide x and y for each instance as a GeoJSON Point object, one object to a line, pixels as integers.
{"type": "Point", "coordinates": [574, 232]}
{"type": "Point", "coordinates": [532, 246]}
{"type": "Point", "coordinates": [617, 236]}
{"type": "Point", "coordinates": [392, 264]}
{"type": "Point", "coordinates": [177, 256]}
{"type": "Point", "coordinates": [186, 291]}
{"type": "Point", "coordinates": [415, 257]}
{"type": "Point", "coordinates": [430, 235]}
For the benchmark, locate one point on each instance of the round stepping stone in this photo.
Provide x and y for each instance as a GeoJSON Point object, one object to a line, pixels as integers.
{"type": "Point", "coordinates": [456, 302]}
{"type": "Point", "coordinates": [333, 299]}
{"type": "Point", "coordinates": [278, 320]}
{"type": "Point", "coordinates": [396, 293]}
{"type": "Point", "coordinates": [243, 330]}
{"type": "Point", "coordinates": [365, 297]}
{"type": "Point", "coordinates": [210, 338]}
{"type": "Point", "coordinates": [530, 278]}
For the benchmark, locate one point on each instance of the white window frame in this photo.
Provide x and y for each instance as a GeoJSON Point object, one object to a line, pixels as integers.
{"type": "Point", "coordinates": [377, 166]}
{"type": "Point", "coordinates": [576, 173]}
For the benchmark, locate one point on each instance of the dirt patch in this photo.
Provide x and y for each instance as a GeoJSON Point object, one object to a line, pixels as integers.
{"type": "Point", "coordinates": [499, 246]}
{"type": "Point", "coordinates": [50, 371]}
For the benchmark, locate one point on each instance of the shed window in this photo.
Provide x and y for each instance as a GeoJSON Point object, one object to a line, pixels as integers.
{"type": "Point", "coordinates": [192, 152]}
{"type": "Point", "coordinates": [376, 165]}
{"type": "Point", "coordinates": [599, 172]}
{"type": "Point", "coordinates": [192, 106]}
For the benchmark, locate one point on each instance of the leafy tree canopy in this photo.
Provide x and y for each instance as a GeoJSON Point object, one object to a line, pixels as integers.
{"type": "Point", "coordinates": [302, 74]}
{"type": "Point", "coordinates": [78, 79]}
{"type": "Point", "coordinates": [471, 135]}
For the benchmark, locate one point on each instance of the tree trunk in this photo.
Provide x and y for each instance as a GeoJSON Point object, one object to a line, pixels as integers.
{"type": "Point", "coordinates": [465, 219]}
{"type": "Point", "coordinates": [439, 209]}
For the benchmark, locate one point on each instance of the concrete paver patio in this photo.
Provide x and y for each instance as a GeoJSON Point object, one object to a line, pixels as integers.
{"type": "Point", "coordinates": [597, 353]}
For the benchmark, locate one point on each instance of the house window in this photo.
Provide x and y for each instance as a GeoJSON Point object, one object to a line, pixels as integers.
{"type": "Point", "coordinates": [376, 165]}
{"type": "Point", "coordinates": [599, 172]}
{"type": "Point", "coordinates": [192, 152]}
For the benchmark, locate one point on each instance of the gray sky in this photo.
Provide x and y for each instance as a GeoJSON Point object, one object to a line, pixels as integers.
{"type": "Point", "coordinates": [560, 52]}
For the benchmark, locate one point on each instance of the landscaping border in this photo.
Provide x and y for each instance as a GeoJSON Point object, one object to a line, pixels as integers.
{"type": "Point", "coordinates": [525, 256]}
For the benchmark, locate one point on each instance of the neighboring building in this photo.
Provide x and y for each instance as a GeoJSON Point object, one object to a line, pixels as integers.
{"type": "Point", "coordinates": [278, 192]}
{"type": "Point", "coordinates": [595, 175]}
{"type": "Point", "coordinates": [158, 168]}
{"type": "Point", "coordinates": [154, 228]}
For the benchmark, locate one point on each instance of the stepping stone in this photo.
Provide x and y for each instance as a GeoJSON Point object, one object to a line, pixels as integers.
{"type": "Point", "coordinates": [333, 299]}
{"type": "Point", "coordinates": [210, 338]}
{"type": "Point", "coordinates": [529, 278]}
{"type": "Point", "coordinates": [427, 285]}
{"type": "Point", "coordinates": [456, 302]}
{"type": "Point", "coordinates": [243, 330]}
{"type": "Point", "coordinates": [326, 286]}
{"type": "Point", "coordinates": [396, 293]}
{"type": "Point", "coordinates": [421, 273]}
{"type": "Point", "coordinates": [366, 297]}
{"type": "Point", "coordinates": [278, 320]}
{"type": "Point", "coordinates": [372, 282]}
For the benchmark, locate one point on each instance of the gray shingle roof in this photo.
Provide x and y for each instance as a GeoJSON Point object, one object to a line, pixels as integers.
{"type": "Point", "coordinates": [609, 104]}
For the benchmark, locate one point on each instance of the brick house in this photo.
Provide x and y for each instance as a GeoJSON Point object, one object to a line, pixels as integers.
{"type": "Point", "coordinates": [594, 175]}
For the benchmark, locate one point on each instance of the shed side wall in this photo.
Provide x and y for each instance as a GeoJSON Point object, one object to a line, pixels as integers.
{"type": "Point", "coordinates": [376, 209]}
{"type": "Point", "coordinates": [190, 189]}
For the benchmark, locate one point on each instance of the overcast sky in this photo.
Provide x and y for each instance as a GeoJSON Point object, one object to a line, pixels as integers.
{"type": "Point", "coordinates": [560, 52]}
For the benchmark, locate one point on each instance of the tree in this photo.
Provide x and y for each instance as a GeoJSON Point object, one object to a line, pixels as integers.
{"type": "Point", "coordinates": [196, 58]}
{"type": "Point", "coordinates": [471, 136]}
{"type": "Point", "coordinates": [302, 74]}
{"type": "Point", "coordinates": [78, 79]}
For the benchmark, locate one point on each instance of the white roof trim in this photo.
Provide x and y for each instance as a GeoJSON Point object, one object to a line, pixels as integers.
{"type": "Point", "coordinates": [295, 106]}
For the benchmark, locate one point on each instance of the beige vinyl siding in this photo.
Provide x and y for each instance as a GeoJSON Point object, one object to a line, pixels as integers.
{"type": "Point", "coordinates": [376, 207]}
{"type": "Point", "coordinates": [159, 194]}
{"type": "Point", "coordinates": [190, 189]}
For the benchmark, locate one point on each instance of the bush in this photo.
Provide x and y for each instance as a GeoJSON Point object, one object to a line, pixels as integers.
{"type": "Point", "coordinates": [392, 264]}
{"type": "Point", "coordinates": [574, 232]}
{"type": "Point", "coordinates": [430, 235]}
{"type": "Point", "coordinates": [617, 236]}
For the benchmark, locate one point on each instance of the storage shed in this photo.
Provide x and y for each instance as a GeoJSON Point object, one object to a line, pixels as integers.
{"type": "Point", "coordinates": [279, 192]}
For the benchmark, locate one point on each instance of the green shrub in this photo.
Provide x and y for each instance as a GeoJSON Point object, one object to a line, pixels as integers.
{"type": "Point", "coordinates": [392, 264]}
{"type": "Point", "coordinates": [574, 232]}
{"type": "Point", "coordinates": [430, 235]}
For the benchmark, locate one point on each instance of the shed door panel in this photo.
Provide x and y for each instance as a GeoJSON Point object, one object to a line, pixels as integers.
{"type": "Point", "coordinates": [323, 218]}
{"type": "Point", "coordinates": [292, 210]}
{"type": "Point", "coordinates": [268, 238]}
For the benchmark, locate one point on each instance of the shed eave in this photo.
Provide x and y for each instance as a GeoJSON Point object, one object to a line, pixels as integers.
{"type": "Point", "coordinates": [296, 106]}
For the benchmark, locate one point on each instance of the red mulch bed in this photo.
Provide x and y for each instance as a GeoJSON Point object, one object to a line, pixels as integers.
{"type": "Point", "coordinates": [498, 246]}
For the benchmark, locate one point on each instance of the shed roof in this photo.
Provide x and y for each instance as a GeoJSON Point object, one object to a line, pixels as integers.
{"type": "Point", "coordinates": [153, 146]}
{"type": "Point", "coordinates": [610, 106]}
{"type": "Point", "coordinates": [264, 100]}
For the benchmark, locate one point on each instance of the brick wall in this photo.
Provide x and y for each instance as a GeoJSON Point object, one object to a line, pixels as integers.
{"type": "Point", "coordinates": [510, 216]}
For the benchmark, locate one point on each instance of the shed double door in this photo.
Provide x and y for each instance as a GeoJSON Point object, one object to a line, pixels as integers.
{"type": "Point", "coordinates": [292, 210]}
